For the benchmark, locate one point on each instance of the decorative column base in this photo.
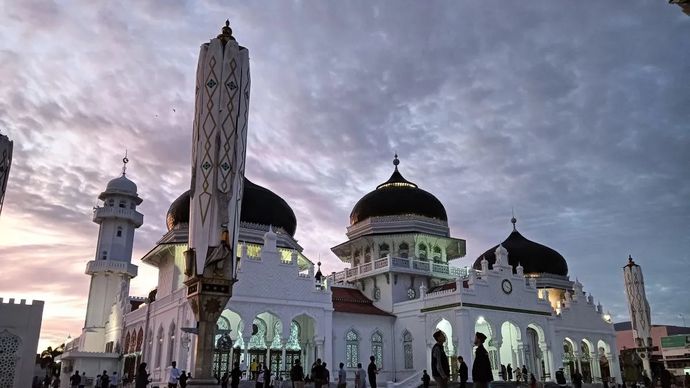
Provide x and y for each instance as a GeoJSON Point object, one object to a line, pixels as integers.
{"type": "Point", "coordinates": [207, 297]}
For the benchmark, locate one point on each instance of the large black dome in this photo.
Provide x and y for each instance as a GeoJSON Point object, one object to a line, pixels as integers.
{"type": "Point", "coordinates": [259, 206]}
{"type": "Point", "coordinates": [534, 257]}
{"type": "Point", "coordinates": [397, 196]}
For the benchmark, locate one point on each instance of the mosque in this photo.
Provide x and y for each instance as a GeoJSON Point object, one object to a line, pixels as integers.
{"type": "Point", "coordinates": [398, 288]}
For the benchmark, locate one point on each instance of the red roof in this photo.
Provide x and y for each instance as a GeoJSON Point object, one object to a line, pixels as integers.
{"type": "Point", "coordinates": [350, 300]}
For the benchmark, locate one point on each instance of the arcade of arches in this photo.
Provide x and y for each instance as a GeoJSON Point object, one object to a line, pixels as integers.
{"type": "Point", "coordinates": [265, 341]}
{"type": "Point", "coordinates": [516, 346]}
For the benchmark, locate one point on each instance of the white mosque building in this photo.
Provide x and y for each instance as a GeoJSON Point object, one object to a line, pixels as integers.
{"type": "Point", "coordinates": [398, 288]}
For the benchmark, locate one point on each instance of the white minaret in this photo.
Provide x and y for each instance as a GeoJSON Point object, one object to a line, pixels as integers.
{"type": "Point", "coordinates": [111, 269]}
{"type": "Point", "coordinates": [5, 164]}
{"type": "Point", "coordinates": [640, 314]}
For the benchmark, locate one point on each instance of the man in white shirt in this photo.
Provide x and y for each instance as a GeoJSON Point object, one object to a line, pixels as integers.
{"type": "Point", "coordinates": [174, 375]}
{"type": "Point", "coordinates": [114, 380]}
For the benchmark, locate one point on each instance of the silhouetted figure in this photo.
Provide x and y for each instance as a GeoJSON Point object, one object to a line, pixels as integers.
{"type": "Point", "coordinates": [297, 375]}
{"type": "Point", "coordinates": [560, 377]}
{"type": "Point", "coordinates": [425, 379]}
{"type": "Point", "coordinates": [509, 369]}
{"type": "Point", "coordinates": [372, 371]}
{"type": "Point", "coordinates": [462, 372]}
{"type": "Point", "coordinates": [440, 370]}
{"type": "Point", "coordinates": [577, 379]}
{"type": "Point", "coordinates": [235, 376]}
{"type": "Point", "coordinates": [141, 380]}
{"type": "Point", "coordinates": [481, 368]}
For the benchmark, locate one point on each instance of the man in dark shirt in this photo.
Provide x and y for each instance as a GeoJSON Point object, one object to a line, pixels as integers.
{"type": "Point", "coordinates": [462, 371]}
{"type": "Point", "coordinates": [440, 370]}
{"type": "Point", "coordinates": [372, 370]}
{"type": "Point", "coordinates": [481, 368]}
{"type": "Point", "coordinates": [577, 379]}
{"type": "Point", "coordinates": [75, 380]}
{"type": "Point", "coordinates": [297, 375]}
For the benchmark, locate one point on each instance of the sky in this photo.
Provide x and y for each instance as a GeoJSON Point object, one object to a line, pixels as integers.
{"type": "Point", "coordinates": [575, 114]}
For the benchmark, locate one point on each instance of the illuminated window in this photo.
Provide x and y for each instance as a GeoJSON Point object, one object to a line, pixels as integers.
{"type": "Point", "coordinates": [422, 252]}
{"type": "Point", "coordinates": [293, 342]}
{"type": "Point", "coordinates": [351, 349]}
{"type": "Point", "coordinates": [171, 344]}
{"type": "Point", "coordinates": [377, 348]}
{"type": "Point", "coordinates": [258, 340]}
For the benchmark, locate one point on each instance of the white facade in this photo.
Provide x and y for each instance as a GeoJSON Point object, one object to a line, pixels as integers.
{"type": "Point", "coordinates": [20, 326]}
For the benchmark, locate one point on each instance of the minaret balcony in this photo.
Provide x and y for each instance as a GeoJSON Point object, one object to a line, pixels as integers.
{"type": "Point", "coordinates": [110, 212]}
{"type": "Point", "coordinates": [400, 265]}
{"type": "Point", "coordinates": [111, 266]}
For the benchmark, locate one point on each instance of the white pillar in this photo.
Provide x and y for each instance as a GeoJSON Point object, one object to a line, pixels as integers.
{"type": "Point", "coordinates": [595, 367]}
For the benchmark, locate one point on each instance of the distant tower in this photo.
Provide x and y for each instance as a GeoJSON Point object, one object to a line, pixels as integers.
{"type": "Point", "coordinates": [5, 164]}
{"type": "Point", "coordinates": [111, 269]}
{"type": "Point", "coordinates": [640, 314]}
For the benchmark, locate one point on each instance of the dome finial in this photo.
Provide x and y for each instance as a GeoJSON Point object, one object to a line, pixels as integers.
{"type": "Point", "coordinates": [396, 161]}
{"type": "Point", "coordinates": [125, 160]}
{"type": "Point", "coordinates": [513, 221]}
{"type": "Point", "coordinates": [226, 32]}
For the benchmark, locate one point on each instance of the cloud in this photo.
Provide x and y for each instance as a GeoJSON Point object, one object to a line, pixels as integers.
{"type": "Point", "coordinates": [575, 115]}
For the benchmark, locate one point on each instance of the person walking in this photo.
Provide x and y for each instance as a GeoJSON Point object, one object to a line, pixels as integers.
{"type": "Point", "coordinates": [481, 368]}
{"type": "Point", "coordinates": [75, 380]}
{"type": "Point", "coordinates": [503, 373]}
{"type": "Point", "coordinates": [360, 377]}
{"type": "Point", "coordinates": [342, 376]}
{"type": "Point", "coordinates": [82, 381]}
{"type": "Point", "coordinates": [105, 380]}
{"type": "Point", "coordinates": [260, 376]}
{"type": "Point", "coordinates": [560, 377]}
{"type": "Point", "coordinates": [509, 369]}
{"type": "Point", "coordinates": [372, 371]}
{"type": "Point", "coordinates": [235, 376]}
{"type": "Point", "coordinates": [141, 380]}
{"type": "Point", "coordinates": [318, 374]}
{"type": "Point", "coordinates": [254, 369]}
{"type": "Point", "coordinates": [440, 370]}
{"type": "Point", "coordinates": [224, 380]}
{"type": "Point", "coordinates": [532, 381]}
{"type": "Point", "coordinates": [297, 375]}
{"type": "Point", "coordinates": [524, 372]}
{"type": "Point", "coordinates": [462, 372]}
{"type": "Point", "coordinates": [518, 376]}
{"type": "Point", "coordinates": [326, 375]}
{"type": "Point", "coordinates": [114, 380]}
{"type": "Point", "coordinates": [577, 379]}
{"type": "Point", "coordinates": [174, 375]}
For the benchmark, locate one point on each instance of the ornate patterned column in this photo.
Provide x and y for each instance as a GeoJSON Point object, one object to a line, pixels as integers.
{"type": "Point", "coordinates": [283, 343]}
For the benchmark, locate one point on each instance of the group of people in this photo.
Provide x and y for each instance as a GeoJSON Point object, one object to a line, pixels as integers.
{"type": "Point", "coordinates": [481, 368]}
{"type": "Point", "coordinates": [321, 376]}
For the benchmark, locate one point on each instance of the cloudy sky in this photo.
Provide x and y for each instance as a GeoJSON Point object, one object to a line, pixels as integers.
{"type": "Point", "coordinates": [577, 114]}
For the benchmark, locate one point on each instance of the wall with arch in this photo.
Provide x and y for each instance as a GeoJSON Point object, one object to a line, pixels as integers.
{"type": "Point", "coordinates": [20, 325]}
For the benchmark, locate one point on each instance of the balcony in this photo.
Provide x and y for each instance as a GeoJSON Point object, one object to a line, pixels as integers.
{"type": "Point", "coordinates": [131, 215]}
{"type": "Point", "coordinates": [400, 265]}
{"type": "Point", "coordinates": [112, 266]}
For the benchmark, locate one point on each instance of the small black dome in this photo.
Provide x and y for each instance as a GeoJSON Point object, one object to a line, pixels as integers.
{"type": "Point", "coordinates": [534, 257]}
{"type": "Point", "coordinates": [259, 206]}
{"type": "Point", "coordinates": [397, 196]}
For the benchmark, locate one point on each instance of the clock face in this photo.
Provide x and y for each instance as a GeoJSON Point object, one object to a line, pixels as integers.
{"type": "Point", "coordinates": [410, 293]}
{"type": "Point", "coordinates": [507, 286]}
{"type": "Point", "coordinates": [377, 293]}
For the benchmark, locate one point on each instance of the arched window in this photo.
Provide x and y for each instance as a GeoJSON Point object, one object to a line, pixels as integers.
{"type": "Point", "coordinates": [127, 339]}
{"type": "Point", "coordinates": [123, 203]}
{"type": "Point", "coordinates": [104, 256]}
{"type": "Point", "coordinates": [407, 349]}
{"type": "Point", "coordinates": [140, 340]}
{"type": "Point", "coordinates": [367, 254]}
{"type": "Point", "coordinates": [276, 344]}
{"type": "Point", "coordinates": [437, 254]}
{"type": "Point", "coordinates": [384, 249]}
{"type": "Point", "coordinates": [119, 231]}
{"type": "Point", "coordinates": [171, 344]}
{"type": "Point", "coordinates": [293, 341]}
{"type": "Point", "coordinates": [258, 340]}
{"type": "Point", "coordinates": [403, 250]}
{"type": "Point", "coordinates": [159, 348]}
{"type": "Point", "coordinates": [377, 348]}
{"type": "Point", "coordinates": [421, 248]}
{"type": "Point", "coordinates": [351, 349]}
{"type": "Point", "coordinates": [111, 202]}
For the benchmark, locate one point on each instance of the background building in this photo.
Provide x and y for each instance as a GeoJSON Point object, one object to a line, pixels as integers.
{"type": "Point", "coordinates": [20, 325]}
{"type": "Point", "coordinates": [626, 341]}
{"type": "Point", "coordinates": [676, 352]}
{"type": "Point", "coordinates": [5, 164]}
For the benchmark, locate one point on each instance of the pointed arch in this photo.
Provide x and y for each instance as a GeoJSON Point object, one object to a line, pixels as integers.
{"type": "Point", "coordinates": [407, 349]}
{"type": "Point", "coordinates": [351, 348]}
{"type": "Point", "coordinates": [171, 343]}
{"type": "Point", "coordinates": [159, 347]}
{"type": "Point", "coordinates": [377, 347]}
